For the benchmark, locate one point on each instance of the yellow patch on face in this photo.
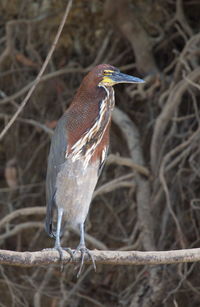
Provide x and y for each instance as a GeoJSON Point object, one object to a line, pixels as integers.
{"type": "Point", "coordinates": [107, 81]}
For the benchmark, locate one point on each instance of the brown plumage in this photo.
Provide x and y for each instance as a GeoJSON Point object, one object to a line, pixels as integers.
{"type": "Point", "coordinates": [78, 151]}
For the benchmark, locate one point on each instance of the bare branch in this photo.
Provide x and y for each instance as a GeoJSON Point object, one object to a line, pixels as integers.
{"type": "Point", "coordinates": [46, 257]}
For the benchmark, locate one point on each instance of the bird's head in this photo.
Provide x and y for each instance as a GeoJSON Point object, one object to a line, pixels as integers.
{"type": "Point", "coordinates": [107, 75]}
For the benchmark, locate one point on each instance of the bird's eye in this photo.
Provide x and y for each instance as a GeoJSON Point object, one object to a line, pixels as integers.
{"type": "Point", "coordinates": [107, 72]}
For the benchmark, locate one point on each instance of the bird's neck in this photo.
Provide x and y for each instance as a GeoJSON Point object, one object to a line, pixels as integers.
{"type": "Point", "coordinates": [90, 124]}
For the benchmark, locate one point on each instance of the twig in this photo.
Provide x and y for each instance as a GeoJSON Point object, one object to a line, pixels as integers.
{"type": "Point", "coordinates": [115, 184]}
{"type": "Point", "coordinates": [37, 80]}
{"type": "Point", "coordinates": [19, 228]}
{"type": "Point", "coordinates": [30, 122]}
{"type": "Point", "coordinates": [128, 162]}
{"type": "Point", "coordinates": [22, 212]}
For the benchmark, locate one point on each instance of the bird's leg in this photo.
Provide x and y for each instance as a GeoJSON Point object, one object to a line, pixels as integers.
{"type": "Point", "coordinates": [57, 242]}
{"type": "Point", "coordinates": [57, 235]}
{"type": "Point", "coordinates": [58, 230]}
{"type": "Point", "coordinates": [83, 249]}
{"type": "Point", "coordinates": [57, 245]}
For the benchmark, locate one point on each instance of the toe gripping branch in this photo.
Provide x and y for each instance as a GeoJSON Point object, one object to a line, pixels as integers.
{"type": "Point", "coordinates": [84, 251]}
{"type": "Point", "coordinates": [81, 247]}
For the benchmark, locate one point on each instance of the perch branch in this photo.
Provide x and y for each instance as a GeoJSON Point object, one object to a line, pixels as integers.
{"type": "Point", "coordinates": [32, 259]}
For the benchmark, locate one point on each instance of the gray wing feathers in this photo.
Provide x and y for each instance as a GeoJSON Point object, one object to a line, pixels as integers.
{"type": "Point", "coordinates": [55, 160]}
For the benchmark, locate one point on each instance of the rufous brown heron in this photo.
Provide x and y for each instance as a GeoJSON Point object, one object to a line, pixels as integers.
{"type": "Point", "coordinates": [78, 151]}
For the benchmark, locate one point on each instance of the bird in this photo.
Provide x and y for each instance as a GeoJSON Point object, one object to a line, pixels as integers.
{"type": "Point", "coordinates": [78, 151]}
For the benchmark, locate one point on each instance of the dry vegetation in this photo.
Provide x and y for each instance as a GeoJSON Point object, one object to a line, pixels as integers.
{"type": "Point", "coordinates": [150, 201]}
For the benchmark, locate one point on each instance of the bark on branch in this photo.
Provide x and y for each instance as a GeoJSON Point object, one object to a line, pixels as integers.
{"type": "Point", "coordinates": [46, 257]}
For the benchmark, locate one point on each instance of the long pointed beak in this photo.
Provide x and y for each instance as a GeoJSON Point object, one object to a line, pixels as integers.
{"type": "Point", "coordinates": [119, 77]}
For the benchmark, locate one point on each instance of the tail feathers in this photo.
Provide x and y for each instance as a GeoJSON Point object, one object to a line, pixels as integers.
{"type": "Point", "coordinates": [49, 219]}
{"type": "Point", "coordinates": [49, 226]}
{"type": "Point", "coordinates": [49, 216]}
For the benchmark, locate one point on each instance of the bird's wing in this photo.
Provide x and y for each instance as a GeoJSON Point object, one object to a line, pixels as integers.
{"type": "Point", "coordinates": [55, 160]}
{"type": "Point", "coordinates": [103, 158]}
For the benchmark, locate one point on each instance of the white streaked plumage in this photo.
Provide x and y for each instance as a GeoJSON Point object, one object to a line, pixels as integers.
{"type": "Point", "coordinates": [77, 149]}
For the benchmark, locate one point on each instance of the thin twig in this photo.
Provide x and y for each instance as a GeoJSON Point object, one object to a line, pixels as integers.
{"type": "Point", "coordinates": [128, 162]}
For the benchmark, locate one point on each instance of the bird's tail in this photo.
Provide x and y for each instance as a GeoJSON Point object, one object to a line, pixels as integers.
{"type": "Point", "coordinates": [49, 223]}
{"type": "Point", "coordinates": [49, 217]}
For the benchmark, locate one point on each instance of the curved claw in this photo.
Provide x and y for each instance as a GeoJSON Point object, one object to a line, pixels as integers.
{"type": "Point", "coordinates": [70, 252]}
{"type": "Point", "coordinates": [83, 250]}
{"type": "Point", "coordinates": [60, 251]}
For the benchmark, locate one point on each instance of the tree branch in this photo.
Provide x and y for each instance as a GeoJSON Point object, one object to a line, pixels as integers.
{"type": "Point", "coordinates": [46, 257]}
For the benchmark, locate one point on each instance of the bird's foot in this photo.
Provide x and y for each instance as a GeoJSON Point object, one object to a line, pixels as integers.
{"type": "Point", "coordinates": [60, 251]}
{"type": "Point", "coordinates": [83, 250]}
